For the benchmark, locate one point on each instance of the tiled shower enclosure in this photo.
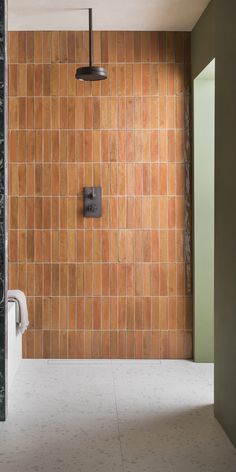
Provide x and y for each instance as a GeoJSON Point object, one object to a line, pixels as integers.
{"type": "Point", "coordinates": [119, 286]}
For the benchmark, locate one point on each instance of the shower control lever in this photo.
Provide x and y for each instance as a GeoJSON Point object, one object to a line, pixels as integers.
{"type": "Point", "coordinates": [93, 194]}
{"type": "Point", "coordinates": [92, 202]}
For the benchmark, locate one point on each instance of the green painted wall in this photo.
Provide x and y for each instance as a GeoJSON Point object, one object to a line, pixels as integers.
{"type": "Point", "coordinates": [204, 161]}
{"type": "Point", "coordinates": [220, 20]}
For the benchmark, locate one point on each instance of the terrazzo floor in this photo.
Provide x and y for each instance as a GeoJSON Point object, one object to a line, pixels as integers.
{"type": "Point", "coordinates": [113, 416]}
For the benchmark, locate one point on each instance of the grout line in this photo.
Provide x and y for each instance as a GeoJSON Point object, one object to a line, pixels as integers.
{"type": "Point", "coordinates": [133, 130]}
{"type": "Point", "coordinates": [59, 211]}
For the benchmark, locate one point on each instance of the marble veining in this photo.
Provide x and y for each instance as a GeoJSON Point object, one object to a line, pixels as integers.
{"type": "Point", "coordinates": [116, 416]}
{"type": "Point", "coordinates": [2, 214]}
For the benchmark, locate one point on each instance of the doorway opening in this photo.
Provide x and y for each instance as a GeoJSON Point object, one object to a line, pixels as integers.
{"type": "Point", "coordinates": [204, 163]}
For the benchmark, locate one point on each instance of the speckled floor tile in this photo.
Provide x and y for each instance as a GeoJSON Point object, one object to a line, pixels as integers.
{"type": "Point", "coordinates": [113, 416]}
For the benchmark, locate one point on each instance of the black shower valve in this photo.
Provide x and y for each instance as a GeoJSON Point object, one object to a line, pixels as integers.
{"type": "Point", "coordinates": [92, 202]}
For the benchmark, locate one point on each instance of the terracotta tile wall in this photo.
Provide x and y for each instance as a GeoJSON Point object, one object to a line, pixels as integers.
{"type": "Point", "coordinates": [120, 286]}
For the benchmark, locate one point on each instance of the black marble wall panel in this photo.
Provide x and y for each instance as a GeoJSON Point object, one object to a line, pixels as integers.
{"type": "Point", "coordinates": [3, 327]}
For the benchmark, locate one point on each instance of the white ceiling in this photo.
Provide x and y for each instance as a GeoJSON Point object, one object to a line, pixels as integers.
{"type": "Point", "coordinates": [107, 14]}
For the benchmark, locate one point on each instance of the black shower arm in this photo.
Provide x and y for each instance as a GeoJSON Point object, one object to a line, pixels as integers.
{"type": "Point", "coordinates": [90, 37]}
{"type": "Point", "coordinates": [90, 34]}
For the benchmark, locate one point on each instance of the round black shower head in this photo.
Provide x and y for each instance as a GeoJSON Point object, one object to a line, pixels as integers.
{"type": "Point", "coordinates": [91, 73]}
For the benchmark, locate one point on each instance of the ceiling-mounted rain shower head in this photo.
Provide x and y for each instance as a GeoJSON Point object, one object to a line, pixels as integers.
{"type": "Point", "coordinates": [91, 72]}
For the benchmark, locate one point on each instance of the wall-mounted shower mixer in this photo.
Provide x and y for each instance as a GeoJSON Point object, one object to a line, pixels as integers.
{"type": "Point", "coordinates": [92, 202]}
